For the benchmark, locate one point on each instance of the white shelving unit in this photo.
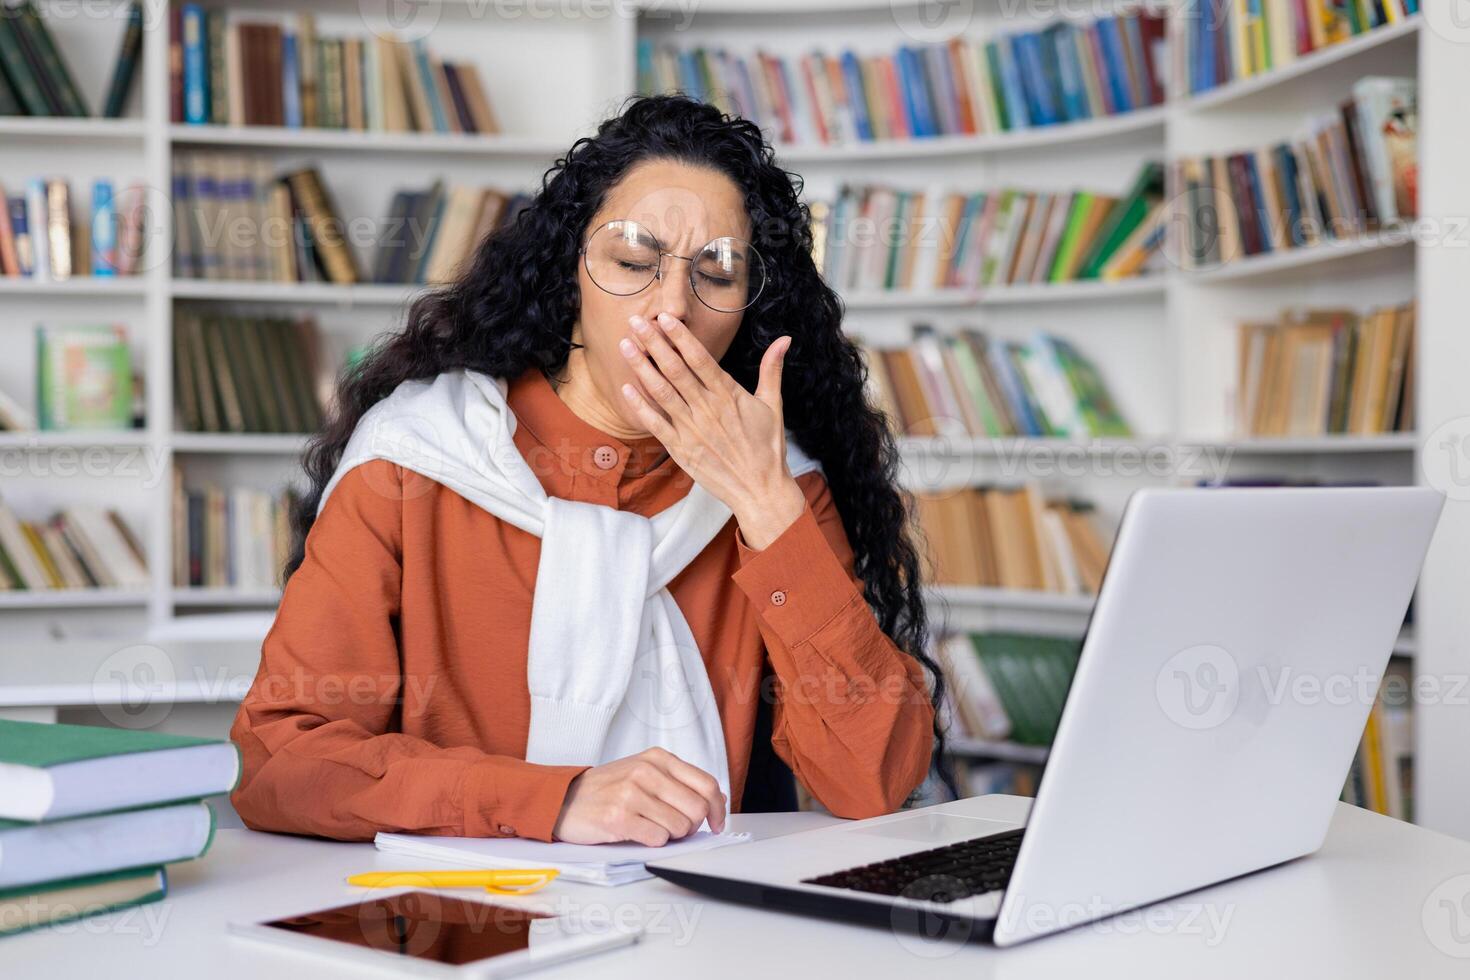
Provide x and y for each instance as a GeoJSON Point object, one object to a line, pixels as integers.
{"type": "Point", "coordinates": [1161, 342]}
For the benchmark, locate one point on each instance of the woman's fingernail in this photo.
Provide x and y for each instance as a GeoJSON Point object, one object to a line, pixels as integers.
{"type": "Point", "coordinates": [626, 346]}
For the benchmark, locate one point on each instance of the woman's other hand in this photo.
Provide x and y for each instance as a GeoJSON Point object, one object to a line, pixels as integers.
{"type": "Point", "coordinates": [652, 797]}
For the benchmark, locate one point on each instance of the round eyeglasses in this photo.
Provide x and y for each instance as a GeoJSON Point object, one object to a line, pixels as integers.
{"type": "Point", "coordinates": [622, 257]}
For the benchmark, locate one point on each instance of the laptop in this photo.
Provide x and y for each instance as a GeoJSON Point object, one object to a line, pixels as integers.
{"type": "Point", "coordinates": [1225, 678]}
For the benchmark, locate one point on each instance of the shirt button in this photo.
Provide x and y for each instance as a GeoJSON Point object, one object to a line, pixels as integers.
{"type": "Point", "coordinates": [606, 457]}
{"type": "Point", "coordinates": [506, 828]}
{"type": "Point", "coordinates": [778, 598]}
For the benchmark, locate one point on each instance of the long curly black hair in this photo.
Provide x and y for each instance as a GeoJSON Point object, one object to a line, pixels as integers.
{"type": "Point", "coordinates": [514, 305]}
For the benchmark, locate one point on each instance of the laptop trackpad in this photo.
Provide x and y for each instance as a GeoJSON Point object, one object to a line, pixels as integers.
{"type": "Point", "coordinates": [935, 828]}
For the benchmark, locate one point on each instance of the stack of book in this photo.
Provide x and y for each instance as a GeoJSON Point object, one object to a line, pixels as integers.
{"type": "Point", "coordinates": [236, 537]}
{"type": "Point", "coordinates": [1006, 685]}
{"type": "Point", "coordinates": [76, 548]}
{"type": "Point", "coordinates": [431, 234]}
{"type": "Point", "coordinates": [969, 384]}
{"type": "Point", "coordinates": [1219, 43]}
{"type": "Point", "coordinates": [1352, 171]}
{"type": "Point", "coordinates": [89, 817]}
{"type": "Point", "coordinates": [1011, 538]}
{"type": "Point", "coordinates": [246, 374]}
{"type": "Point", "coordinates": [34, 77]}
{"type": "Point", "coordinates": [85, 378]}
{"type": "Point", "coordinates": [1382, 774]}
{"type": "Point", "coordinates": [225, 70]}
{"type": "Point", "coordinates": [882, 238]}
{"type": "Point", "coordinates": [40, 238]}
{"type": "Point", "coordinates": [1065, 73]}
{"type": "Point", "coordinates": [1316, 372]}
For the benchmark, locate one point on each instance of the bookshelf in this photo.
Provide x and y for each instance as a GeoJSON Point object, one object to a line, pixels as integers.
{"type": "Point", "coordinates": [1159, 341]}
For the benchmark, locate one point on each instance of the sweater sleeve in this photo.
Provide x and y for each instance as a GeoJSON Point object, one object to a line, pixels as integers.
{"type": "Point", "coordinates": [318, 731]}
{"type": "Point", "coordinates": [852, 716]}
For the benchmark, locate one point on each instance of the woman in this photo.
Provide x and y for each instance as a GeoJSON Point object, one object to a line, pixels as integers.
{"type": "Point", "coordinates": [610, 501]}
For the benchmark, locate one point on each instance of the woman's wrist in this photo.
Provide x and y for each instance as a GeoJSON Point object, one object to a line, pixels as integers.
{"type": "Point", "coordinates": [770, 513]}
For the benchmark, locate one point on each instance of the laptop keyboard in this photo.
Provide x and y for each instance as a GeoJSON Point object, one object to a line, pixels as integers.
{"type": "Point", "coordinates": [941, 874]}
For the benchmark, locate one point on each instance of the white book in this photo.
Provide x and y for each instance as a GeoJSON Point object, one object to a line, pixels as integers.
{"type": "Point", "coordinates": [971, 683]}
{"type": "Point", "coordinates": [1061, 547]}
{"type": "Point", "coordinates": [31, 853]}
{"type": "Point", "coordinates": [110, 546]}
{"type": "Point", "coordinates": [597, 864]}
{"type": "Point", "coordinates": [1377, 99]}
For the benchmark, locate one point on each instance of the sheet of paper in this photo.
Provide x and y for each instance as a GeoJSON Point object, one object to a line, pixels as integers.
{"type": "Point", "coordinates": [539, 852]}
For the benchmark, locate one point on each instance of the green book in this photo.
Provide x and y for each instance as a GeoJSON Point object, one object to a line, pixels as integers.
{"type": "Point", "coordinates": [9, 102]}
{"type": "Point", "coordinates": [84, 378]}
{"type": "Point", "coordinates": [992, 61]}
{"type": "Point", "coordinates": [1031, 675]}
{"type": "Point", "coordinates": [50, 772]}
{"type": "Point", "coordinates": [1067, 248]}
{"type": "Point", "coordinates": [969, 369]}
{"type": "Point", "coordinates": [36, 853]}
{"type": "Point", "coordinates": [39, 39]}
{"type": "Point", "coordinates": [34, 906]}
{"type": "Point", "coordinates": [18, 70]}
{"type": "Point", "coordinates": [1124, 219]}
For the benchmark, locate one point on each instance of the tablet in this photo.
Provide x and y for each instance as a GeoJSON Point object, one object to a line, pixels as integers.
{"type": "Point", "coordinates": [429, 934]}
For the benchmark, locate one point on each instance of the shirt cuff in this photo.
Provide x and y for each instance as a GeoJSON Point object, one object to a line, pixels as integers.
{"type": "Point", "coordinates": [507, 797]}
{"type": "Point", "coordinates": [796, 583]}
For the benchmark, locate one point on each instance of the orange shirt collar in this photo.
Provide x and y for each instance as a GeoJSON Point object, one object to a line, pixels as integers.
{"type": "Point", "coordinates": [575, 442]}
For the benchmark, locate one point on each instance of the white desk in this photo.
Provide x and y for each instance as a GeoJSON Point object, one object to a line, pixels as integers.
{"type": "Point", "coordinates": [1367, 905]}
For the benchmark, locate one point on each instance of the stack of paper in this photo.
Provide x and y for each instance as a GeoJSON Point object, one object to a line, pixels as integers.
{"type": "Point", "coordinates": [598, 864]}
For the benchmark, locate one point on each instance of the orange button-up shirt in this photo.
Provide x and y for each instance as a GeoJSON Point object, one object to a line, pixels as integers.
{"type": "Point", "coordinates": [392, 694]}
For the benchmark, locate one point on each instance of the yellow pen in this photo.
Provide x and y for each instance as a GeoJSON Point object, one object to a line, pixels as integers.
{"type": "Point", "coordinates": [497, 881]}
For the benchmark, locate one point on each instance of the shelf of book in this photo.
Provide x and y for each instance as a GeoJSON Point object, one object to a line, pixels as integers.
{"type": "Point", "coordinates": [1273, 264]}
{"type": "Point", "coordinates": [252, 443]}
{"type": "Point", "coordinates": [72, 439]}
{"type": "Point", "coordinates": [1387, 442]}
{"type": "Point", "coordinates": [328, 140]}
{"type": "Point", "coordinates": [224, 596]}
{"type": "Point", "coordinates": [1139, 124]}
{"type": "Point", "coordinates": [114, 286]}
{"type": "Point", "coordinates": [390, 294]}
{"type": "Point", "coordinates": [314, 293]}
{"type": "Point", "coordinates": [1000, 751]}
{"type": "Point", "coordinates": [1036, 601]}
{"type": "Point", "coordinates": [87, 130]}
{"type": "Point", "coordinates": [1022, 445]}
{"type": "Point", "coordinates": [1235, 94]}
{"type": "Point", "coordinates": [72, 598]}
{"type": "Point", "coordinates": [1089, 291]}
